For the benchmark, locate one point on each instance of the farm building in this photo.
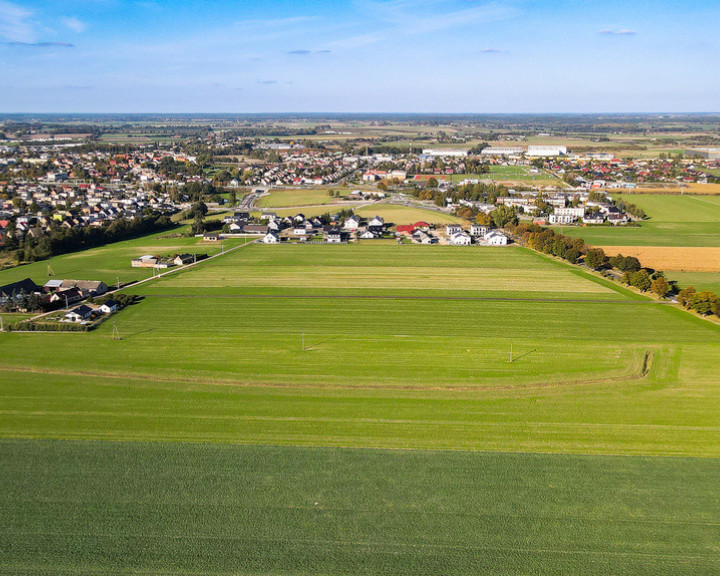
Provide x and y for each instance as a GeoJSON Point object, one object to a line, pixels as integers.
{"type": "Point", "coordinates": [183, 259]}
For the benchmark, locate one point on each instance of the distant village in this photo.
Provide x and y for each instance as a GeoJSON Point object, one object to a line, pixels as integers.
{"type": "Point", "coordinates": [65, 183]}
{"type": "Point", "coordinates": [299, 228]}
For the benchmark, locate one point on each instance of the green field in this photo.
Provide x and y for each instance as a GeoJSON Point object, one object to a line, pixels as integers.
{"type": "Point", "coordinates": [111, 262]}
{"type": "Point", "coordinates": [365, 409]}
{"type": "Point", "coordinates": [397, 214]}
{"type": "Point", "coordinates": [136, 508]}
{"type": "Point", "coordinates": [298, 197]}
{"type": "Point", "coordinates": [700, 280]}
{"type": "Point", "coordinates": [674, 220]}
{"type": "Point", "coordinates": [512, 173]}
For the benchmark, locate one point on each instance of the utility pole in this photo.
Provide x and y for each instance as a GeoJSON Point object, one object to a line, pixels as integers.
{"type": "Point", "coordinates": [118, 282]}
{"type": "Point", "coordinates": [66, 302]}
{"type": "Point", "coordinates": [511, 353]}
{"type": "Point", "coordinates": [303, 341]}
{"type": "Point", "coordinates": [194, 257]}
{"type": "Point", "coordinates": [116, 333]}
{"type": "Point", "coordinates": [2, 328]}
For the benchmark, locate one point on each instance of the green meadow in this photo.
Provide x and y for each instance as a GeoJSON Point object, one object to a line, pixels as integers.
{"type": "Point", "coordinates": [111, 262]}
{"type": "Point", "coordinates": [364, 409]}
{"type": "Point", "coordinates": [673, 220]}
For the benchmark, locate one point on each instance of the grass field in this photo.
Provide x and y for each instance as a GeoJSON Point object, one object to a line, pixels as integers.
{"type": "Point", "coordinates": [298, 197]}
{"type": "Point", "coordinates": [364, 410]}
{"type": "Point", "coordinates": [700, 280]}
{"type": "Point", "coordinates": [199, 509]}
{"type": "Point", "coordinates": [673, 221]}
{"type": "Point", "coordinates": [397, 214]}
{"type": "Point", "coordinates": [110, 262]}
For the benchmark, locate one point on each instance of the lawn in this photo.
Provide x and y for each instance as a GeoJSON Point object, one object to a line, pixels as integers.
{"type": "Point", "coordinates": [138, 508]}
{"type": "Point", "coordinates": [397, 214]}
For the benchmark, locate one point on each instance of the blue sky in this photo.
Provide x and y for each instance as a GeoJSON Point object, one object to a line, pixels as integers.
{"type": "Point", "coordinates": [359, 56]}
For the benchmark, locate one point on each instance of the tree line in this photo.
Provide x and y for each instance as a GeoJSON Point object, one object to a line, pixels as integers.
{"type": "Point", "coordinates": [574, 250]}
{"type": "Point", "coordinates": [61, 240]}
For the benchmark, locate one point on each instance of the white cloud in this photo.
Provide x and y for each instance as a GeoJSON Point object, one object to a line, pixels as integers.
{"type": "Point", "coordinates": [74, 24]}
{"type": "Point", "coordinates": [621, 32]}
{"type": "Point", "coordinates": [15, 23]}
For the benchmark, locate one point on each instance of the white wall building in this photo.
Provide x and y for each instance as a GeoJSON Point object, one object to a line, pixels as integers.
{"type": "Point", "coordinates": [544, 151]}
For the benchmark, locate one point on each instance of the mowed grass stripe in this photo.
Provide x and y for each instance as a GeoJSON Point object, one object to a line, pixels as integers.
{"type": "Point", "coordinates": [671, 411]}
{"type": "Point", "coordinates": [417, 278]}
{"type": "Point", "coordinates": [203, 509]}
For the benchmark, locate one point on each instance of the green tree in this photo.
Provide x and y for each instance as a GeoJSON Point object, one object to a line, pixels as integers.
{"type": "Point", "coordinates": [504, 215]}
{"type": "Point", "coordinates": [641, 280]}
{"type": "Point", "coordinates": [704, 302]}
{"type": "Point", "coordinates": [595, 258]}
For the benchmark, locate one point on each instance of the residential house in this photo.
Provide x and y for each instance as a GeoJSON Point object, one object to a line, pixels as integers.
{"type": "Point", "coordinates": [334, 236]}
{"type": "Point", "coordinates": [79, 314]}
{"type": "Point", "coordinates": [352, 223]}
{"type": "Point", "coordinates": [461, 239]}
{"type": "Point", "coordinates": [108, 307]}
{"type": "Point", "coordinates": [271, 238]}
{"type": "Point", "coordinates": [496, 238]}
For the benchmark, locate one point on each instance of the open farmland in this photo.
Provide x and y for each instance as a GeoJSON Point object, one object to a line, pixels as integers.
{"type": "Point", "coordinates": [275, 382]}
{"type": "Point", "coordinates": [673, 221]}
{"type": "Point", "coordinates": [202, 509]}
{"type": "Point", "coordinates": [671, 258]}
{"type": "Point", "coordinates": [700, 280]}
{"type": "Point", "coordinates": [111, 262]}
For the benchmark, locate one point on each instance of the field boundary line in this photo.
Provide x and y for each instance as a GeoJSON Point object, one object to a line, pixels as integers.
{"type": "Point", "coordinates": [405, 297]}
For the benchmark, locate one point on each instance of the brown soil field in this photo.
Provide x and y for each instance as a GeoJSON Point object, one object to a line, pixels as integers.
{"type": "Point", "coordinates": [671, 258]}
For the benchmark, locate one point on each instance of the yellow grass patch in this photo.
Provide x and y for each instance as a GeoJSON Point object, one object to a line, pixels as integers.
{"type": "Point", "coordinates": [417, 278]}
{"type": "Point", "coordinates": [671, 258]}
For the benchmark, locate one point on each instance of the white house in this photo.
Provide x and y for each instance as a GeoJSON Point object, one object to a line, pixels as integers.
{"type": "Point", "coordinates": [368, 235]}
{"type": "Point", "coordinates": [461, 239]}
{"type": "Point", "coordinates": [352, 223]}
{"type": "Point", "coordinates": [333, 236]}
{"type": "Point", "coordinates": [495, 238]}
{"type": "Point", "coordinates": [451, 229]}
{"type": "Point", "coordinates": [477, 230]}
{"type": "Point", "coordinates": [376, 221]}
{"type": "Point", "coordinates": [271, 238]}
{"type": "Point", "coordinates": [109, 307]}
{"type": "Point", "coordinates": [78, 314]}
